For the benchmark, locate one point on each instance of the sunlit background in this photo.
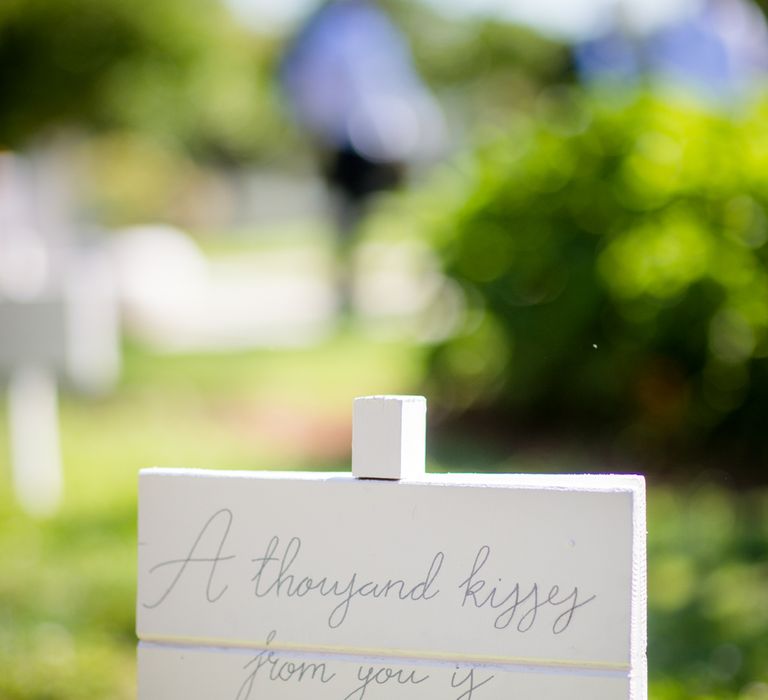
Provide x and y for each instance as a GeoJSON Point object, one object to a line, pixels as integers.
{"type": "Point", "coordinates": [555, 228]}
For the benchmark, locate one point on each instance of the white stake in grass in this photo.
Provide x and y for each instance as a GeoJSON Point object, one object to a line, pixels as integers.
{"type": "Point", "coordinates": [34, 432]}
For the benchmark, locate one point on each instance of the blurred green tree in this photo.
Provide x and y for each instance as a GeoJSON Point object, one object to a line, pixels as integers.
{"type": "Point", "coordinates": [484, 67]}
{"type": "Point", "coordinates": [180, 69]}
{"type": "Point", "coordinates": [615, 259]}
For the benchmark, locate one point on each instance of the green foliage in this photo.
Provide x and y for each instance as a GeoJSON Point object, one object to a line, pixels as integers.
{"type": "Point", "coordinates": [616, 264]}
{"type": "Point", "coordinates": [482, 68]}
{"type": "Point", "coordinates": [184, 73]}
{"type": "Point", "coordinates": [179, 69]}
{"type": "Point", "coordinates": [707, 572]}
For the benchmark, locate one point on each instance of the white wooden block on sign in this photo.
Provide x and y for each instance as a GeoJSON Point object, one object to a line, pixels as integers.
{"type": "Point", "coordinates": [533, 586]}
{"type": "Point", "coordinates": [388, 437]}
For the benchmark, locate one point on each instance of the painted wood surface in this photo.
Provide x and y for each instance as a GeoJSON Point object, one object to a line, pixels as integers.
{"type": "Point", "coordinates": [196, 673]}
{"type": "Point", "coordinates": [538, 581]}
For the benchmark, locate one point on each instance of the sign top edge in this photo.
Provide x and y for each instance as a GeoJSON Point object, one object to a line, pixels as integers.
{"type": "Point", "coordinates": [578, 482]}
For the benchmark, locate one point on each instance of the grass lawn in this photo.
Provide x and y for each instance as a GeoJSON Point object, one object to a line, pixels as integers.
{"type": "Point", "coordinates": [67, 584]}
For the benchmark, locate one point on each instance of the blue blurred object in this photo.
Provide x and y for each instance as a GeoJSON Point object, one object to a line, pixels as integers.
{"type": "Point", "coordinates": [351, 83]}
{"type": "Point", "coordinates": [613, 56]}
{"type": "Point", "coordinates": [719, 50]}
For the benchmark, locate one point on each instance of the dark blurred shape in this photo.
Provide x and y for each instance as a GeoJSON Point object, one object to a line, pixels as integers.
{"type": "Point", "coordinates": [718, 50]}
{"type": "Point", "coordinates": [351, 84]}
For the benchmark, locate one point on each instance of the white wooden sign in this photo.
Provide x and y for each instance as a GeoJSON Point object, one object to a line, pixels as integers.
{"type": "Point", "coordinates": [326, 586]}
